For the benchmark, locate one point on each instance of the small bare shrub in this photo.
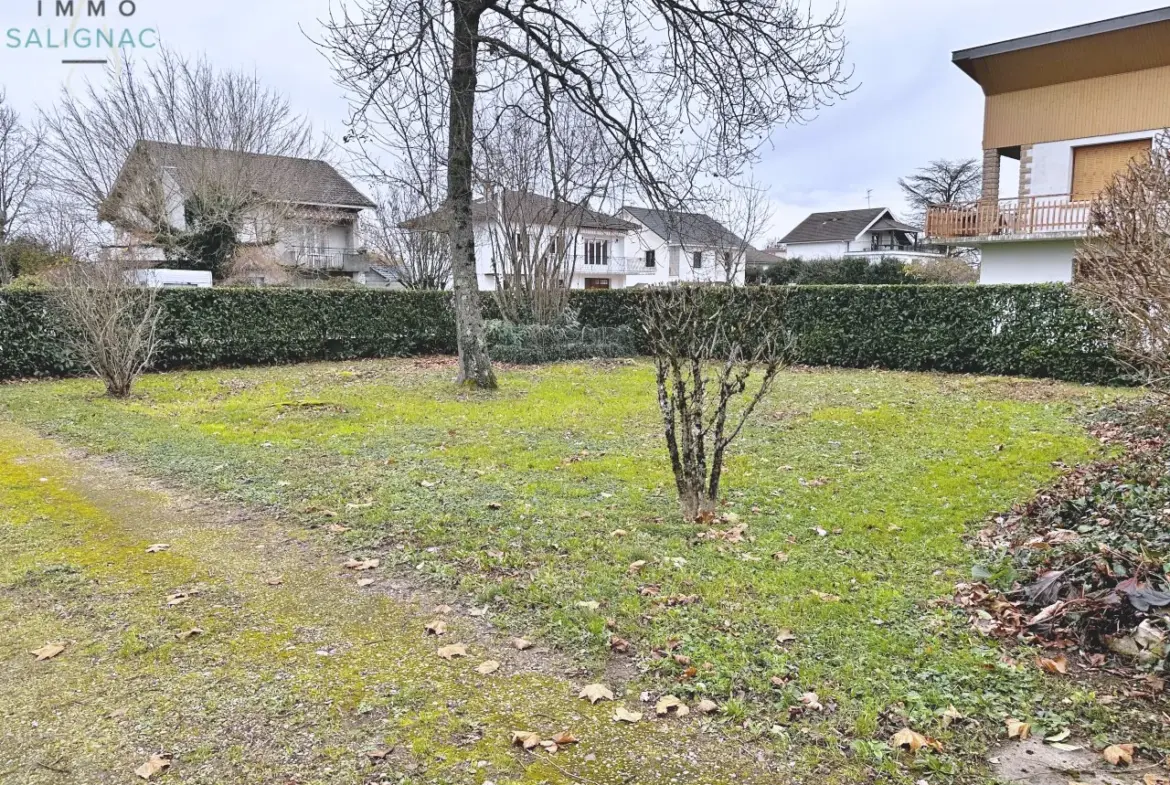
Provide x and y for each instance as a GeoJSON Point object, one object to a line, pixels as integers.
{"type": "Point", "coordinates": [1124, 266]}
{"type": "Point", "coordinates": [706, 343]}
{"type": "Point", "coordinates": [111, 322]}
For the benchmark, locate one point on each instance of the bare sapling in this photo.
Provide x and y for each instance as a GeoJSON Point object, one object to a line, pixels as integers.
{"type": "Point", "coordinates": [710, 348]}
{"type": "Point", "coordinates": [111, 321]}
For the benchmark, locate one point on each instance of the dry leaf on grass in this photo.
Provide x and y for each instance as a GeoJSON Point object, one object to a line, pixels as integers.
{"type": "Point", "coordinates": [1155, 779]}
{"type": "Point", "coordinates": [563, 738]}
{"type": "Point", "coordinates": [477, 612]}
{"type": "Point", "coordinates": [177, 599]}
{"type": "Point", "coordinates": [635, 566]}
{"type": "Point", "coordinates": [625, 715]}
{"type": "Point", "coordinates": [443, 609]}
{"type": "Point", "coordinates": [158, 548]}
{"type": "Point", "coordinates": [487, 667]}
{"type": "Point", "coordinates": [618, 533]}
{"type": "Point", "coordinates": [596, 692]}
{"type": "Point", "coordinates": [191, 633]}
{"type": "Point", "coordinates": [366, 582]}
{"type": "Point", "coordinates": [520, 644]}
{"type": "Point", "coordinates": [336, 528]}
{"type": "Point", "coordinates": [785, 636]}
{"type": "Point", "coordinates": [378, 754]}
{"type": "Point", "coordinates": [914, 741]}
{"type": "Point", "coordinates": [1118, 754]}
{"type": "Point", "coordinates": [452, 651]}
{"type": "Point", "coordinates": [707, 706]}
{"type": "Point", "coordinates": [156, 765]}
{"type": "Point", "coordinates": [1053, 665]}
{"type": "Point", "coordinates": [48, 651]}
{"type": "Point", "coordinates": [525, 739]}
{"type": "Point", "coordinates": [275, 581]}
{"type": "Point", "coordinates": [589, 605]}
{"type": "Point", "coordinates": [362, 564]}
{"type": "Point", "coordinates": [1017, 730]}
{"type": "Point", "coordinates": [669, 704]}
{"type": "Point", "coordinates": [812, 701]}
{"type": "Point", "coordinates": [437, 627]}
{"type": "Point", "coordinates": [951, 716]}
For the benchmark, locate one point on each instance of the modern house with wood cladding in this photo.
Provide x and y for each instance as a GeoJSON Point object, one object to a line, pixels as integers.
{"type": "Point", "coordinates": [1074, 107]}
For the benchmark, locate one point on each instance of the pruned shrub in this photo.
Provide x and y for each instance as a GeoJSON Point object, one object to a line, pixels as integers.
{"type": "Point", "coordinates": [532, 344]}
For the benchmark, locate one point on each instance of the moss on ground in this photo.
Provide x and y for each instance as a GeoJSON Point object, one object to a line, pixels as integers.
{"type": "Point", "coordinates": [865, 481]}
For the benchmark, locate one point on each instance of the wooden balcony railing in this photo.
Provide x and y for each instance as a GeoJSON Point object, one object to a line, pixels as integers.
{"type": "Point", "coordinates": [1031, 215]}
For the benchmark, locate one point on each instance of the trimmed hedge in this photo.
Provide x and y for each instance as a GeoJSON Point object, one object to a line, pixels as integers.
{"type": "Point", "coordinates": [532, 344]}
{"type": "Point", "coordinates": [1040, 331]}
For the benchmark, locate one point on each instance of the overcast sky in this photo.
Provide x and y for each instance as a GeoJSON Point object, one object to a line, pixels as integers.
{"type": "Point", "coordinates": [910, 104]}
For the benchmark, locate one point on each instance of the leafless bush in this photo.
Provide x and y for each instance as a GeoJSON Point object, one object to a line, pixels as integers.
{"type": "Point", "coordinates": [112, 322]}
{"type": "Point", "coordinates": [1124, 266]}
{"type": "Point", "coordinates": [706, 344]}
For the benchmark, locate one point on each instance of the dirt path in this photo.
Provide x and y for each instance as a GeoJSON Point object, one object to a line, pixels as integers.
{"type": "Point", "coordinates": [246, 652]}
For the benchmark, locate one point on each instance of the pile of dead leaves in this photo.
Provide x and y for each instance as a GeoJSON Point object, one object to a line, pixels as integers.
{"type": "Point", "coordinates": [1085, 563]}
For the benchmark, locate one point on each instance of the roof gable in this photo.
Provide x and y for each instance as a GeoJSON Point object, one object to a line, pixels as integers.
{"type": "Point", "coordinates": [530, 209]}
{"type": "Point", "coordinates": [681, 228]}
{"type": "Point", "coordinates": [839, 226]}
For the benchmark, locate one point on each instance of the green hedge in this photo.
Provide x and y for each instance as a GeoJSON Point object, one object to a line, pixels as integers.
{"type": "Point", "coordinates": [1039, 331]}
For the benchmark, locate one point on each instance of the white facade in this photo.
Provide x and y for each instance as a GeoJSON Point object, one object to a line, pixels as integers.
{"type": "Point", "coordinates": [589, 267]}
{"type": "Point", "coordinates": [1052, 163]}
{"type": "Point", "coordinates": [675, 262]}
{"type": "Point", "coordinates": [1027, 261]}
{"type": "Point", "coordinates": [158, 278]}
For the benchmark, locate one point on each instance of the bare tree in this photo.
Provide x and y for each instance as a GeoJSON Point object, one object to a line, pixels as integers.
{"type": "Point", "coordinates": [941, 182]}
{"type": "Point", "coordinates": [706, 345]}
{"type": "Point", "coordinates": [677, 88]}
{"type": "Point", "coordinates": [1124, 264]}
{"type": "Point", "coordinates": [740, 213]}
{"type": "Point", "coordinates": [111, 321]}
{"type": "Point", "coordinates": [20, 177]}
{"type": "Point", "coordinates": [421, 258]}
{"type": "Point", "coordinates": [208, 152]}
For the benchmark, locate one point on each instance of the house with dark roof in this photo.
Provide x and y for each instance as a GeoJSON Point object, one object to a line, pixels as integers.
{"type": "Point", "coordinates": [873, 233]}
{"type": "Point", "coordinates": [515, 230]}
{"type": "Point", "coordinates": [1074, 107]}
{"type": "Point", "coordinates": [301, 214]}
{"type": "Point", "coordinates": [672, 246]}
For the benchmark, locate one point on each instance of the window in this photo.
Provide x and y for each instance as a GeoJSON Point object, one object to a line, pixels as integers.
{"type": "Point", "coordinates": [596, 283]}
{"type": "Point", "coordinates": [697, 259]}
{"type": "Point", "coordinates": [649, 259]}
{"type": "Point", "coordinates": [1095, 166]}
{"type": "Point", "coordinates": [597, 253]}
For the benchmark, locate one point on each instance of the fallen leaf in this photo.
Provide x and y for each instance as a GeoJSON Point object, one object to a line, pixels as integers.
{"type": "Point", "coordinates": [563, 738]}
{"type": "Point", "coordinates": [452, 651]}
{"type": "Point", "coordinates": [785, 636]}
{"type": "Point", "coordinates": [624, 715]}
{"type": "Point", "coordinates": [780, 556]}
{"type": "Point", "coordinates": [48, 651]}
{"type": "Point", "coordinates": [379, 754]}
{"type": "Point", "coordinates": [620, 645]}
{"type": "Point", "coordinates": [437, 627]}
{"type": "Point", "coordinates": [426, 483]}
{"type": "Point", "coordinates": [951, 716]}
{"type": "Point", "coordinates": [596, 692]}
{"type": "Point", "coordinates": [1064, 734]}
{"type": "Point", "coordinates": [525, 739]}
{"type": "Point", "coordinates": [478, 611]}
{"type": "Point", "coordinates": [618, 533]}
{"type": "Point", "coordinates": [359, 564]}
{"type": "Point", "coordinates": [589, 605]}
{"type": "Point", "coordinates": [1058, 745]}
{"type": "Point", "coordinates": [274, 581]}
{"type": "Point", "coordinates": [156, 765]}
{"type": "Point", "coordinates": [823, 597]}
{"type": "Point", "coordinates": [1016, 729]}
{"type": "Point", "coordinates": [668, 704]}
{"type": "Point", "coordinates": [1118, 754]}
{"type": "Point", "coordinates": [366, 582]}
{"type": "Point", "coordinates": [635, 566]}
{"type": "Point", "coordinates": [1155, 779]}
{"type": "Point", "coordinates": [487, 667]}
{"type": "Point", "coordinates": [159, 548]}
{"type": "Point", "coordinates": [191, 633]}
{"type": "Point", "coordinates": [177, 599]}
{"type": "Point", "coordinates": [909, 739]}
{"type": "Point", "coordinates": [443, 609]}
{"type": "Point", "coordinates": [494, 505]}
{"type": "Point", "coordinates": [812, 701]}
{"type": "Point", "coordinates": [707, 706]}
{"type": "Point", "coordinates": [336, 528]}
{"type": "Point", "coordinates": [1057, 664]}
{"type": "Point", "coordinates": [520, 644]}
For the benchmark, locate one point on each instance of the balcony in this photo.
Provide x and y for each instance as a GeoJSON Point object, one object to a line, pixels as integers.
{"type": "Point", "coordinates": [1026, 218]}
{"type": "Point", "coordinates": [614, 265]}
{"type": "Point", "coordinates": [325, 259]}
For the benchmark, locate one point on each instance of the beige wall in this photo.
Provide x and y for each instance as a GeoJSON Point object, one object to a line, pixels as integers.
{"type": "Point", "coordinates": [1115, 104]}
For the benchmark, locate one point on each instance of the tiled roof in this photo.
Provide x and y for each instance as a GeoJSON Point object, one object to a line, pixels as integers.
{"type": "Point", "coordinates": [683, 228]}
{"type": "Point", "coordinates": [526, 208]}
{"type": "Point", "coordinates": [842, 225]}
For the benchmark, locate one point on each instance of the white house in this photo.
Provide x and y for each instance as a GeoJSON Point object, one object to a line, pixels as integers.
{"type": "Point", "coordinates": [680, 247]}
{"type": "Point", "coordinates": [872, 233]}
{"type": "Point", "coordinates": [306, 219]}
{"type": "Point", "coordinates": [1074, 106]}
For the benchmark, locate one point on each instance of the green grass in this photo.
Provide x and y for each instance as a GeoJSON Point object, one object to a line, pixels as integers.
{"type": "Point", "coordinates": [510, 500]}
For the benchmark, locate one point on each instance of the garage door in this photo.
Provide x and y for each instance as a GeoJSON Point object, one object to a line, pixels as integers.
{"type": "Point", "coordinates": [1095, 166]}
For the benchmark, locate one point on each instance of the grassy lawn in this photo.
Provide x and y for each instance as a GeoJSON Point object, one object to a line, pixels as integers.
{"type": "Point", "coordinates": [856, 489]}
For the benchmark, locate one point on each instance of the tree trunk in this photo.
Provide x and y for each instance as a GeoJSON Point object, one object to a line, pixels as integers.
{"type": "Point", "coordinates": [475, 367]}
